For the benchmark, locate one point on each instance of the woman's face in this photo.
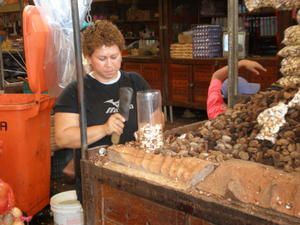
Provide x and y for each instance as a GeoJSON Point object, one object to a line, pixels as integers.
{"type": "Point", "coordinates": [106, 62]}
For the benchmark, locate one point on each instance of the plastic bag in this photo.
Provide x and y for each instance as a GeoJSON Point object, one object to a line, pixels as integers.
{"type": "Point", "coordinates": [256, 4]}
{"type": "Point", "coordinates": [292, 51]}
{"type": "Point", "coordinates": [295, 101]}
{"type": "Point", "coordinates": [277, 4]}
{"type": "Point", "coordinates": [271, 120]}
{"type": "Point", "coordinates": [284, 4]}
{"type": "Point", "coordinates": [289, 82]}
{"type": "Point", "coordinates": [7, 198]}
{"type": "Point", "coordinates": [290, 66]}
{"type": "Point", "coordinates": [60, 46]}
{"type": "Point", "coordinates": [291, 35]}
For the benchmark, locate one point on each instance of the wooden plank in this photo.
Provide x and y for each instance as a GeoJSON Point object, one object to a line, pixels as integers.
{"type": "Point", "coordinates": [91, 190]}
{"type": "Point", "coordinates": [136, 210]}
{"type": "Point", "coordinates": [9, 8]}
{"type": "Point", "coordinates": [205, 207]}
{"type": "Point", "coordinates": [196, 221]}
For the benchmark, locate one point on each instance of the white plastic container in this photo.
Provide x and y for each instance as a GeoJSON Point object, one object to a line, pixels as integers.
{"type": "Point", "coordinates": [66, 209]}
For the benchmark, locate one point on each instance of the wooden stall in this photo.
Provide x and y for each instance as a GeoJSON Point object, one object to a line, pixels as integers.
{"type": "Point", "coordinates": [117, 190]}
{"type": "Point", "coordinates": [120, 195]}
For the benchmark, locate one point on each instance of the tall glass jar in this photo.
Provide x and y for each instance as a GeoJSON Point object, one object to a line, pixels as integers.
{"type": "Point", "coordinates": [150, 120]}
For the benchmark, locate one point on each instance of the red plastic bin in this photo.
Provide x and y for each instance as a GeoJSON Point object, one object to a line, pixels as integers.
{"type": "Point", "coordinates": [25, 148]}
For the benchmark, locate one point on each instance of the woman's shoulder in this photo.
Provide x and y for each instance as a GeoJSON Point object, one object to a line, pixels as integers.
{"type": "Point", "coordinates": [72, 86]}
{"type": "Point", "coordinates": [131, 74]}
{"type": "Point", "coordinates": [138, 80]}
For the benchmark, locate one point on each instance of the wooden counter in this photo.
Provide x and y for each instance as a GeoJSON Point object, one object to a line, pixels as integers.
{"type": "Point", "coordinates": [115, 195]}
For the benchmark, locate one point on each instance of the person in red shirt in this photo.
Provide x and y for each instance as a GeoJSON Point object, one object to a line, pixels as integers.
{"type": "Point", "coordinates": [217, 90]}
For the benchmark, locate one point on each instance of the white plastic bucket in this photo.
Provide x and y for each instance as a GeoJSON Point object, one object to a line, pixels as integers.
{"type": "Point", "coordinates": [66, 209]}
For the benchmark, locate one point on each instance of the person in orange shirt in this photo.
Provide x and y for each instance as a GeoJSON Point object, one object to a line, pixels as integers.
{"type": "Point", "coordinates": [217, 90]}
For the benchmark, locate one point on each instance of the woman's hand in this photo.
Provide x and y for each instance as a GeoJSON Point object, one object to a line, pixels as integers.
{"type": "Point", "coordinates": [252, 66]}
{"type": "Point", "coordinates": [67, 129]}
{"type": "Point", "coordinates": [114, 124]}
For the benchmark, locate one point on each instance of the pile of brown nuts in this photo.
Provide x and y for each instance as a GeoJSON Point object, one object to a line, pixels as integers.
{"type": "Point", "coordinates": [233, 135]}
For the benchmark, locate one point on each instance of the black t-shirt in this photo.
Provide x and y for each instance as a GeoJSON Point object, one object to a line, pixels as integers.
{"type": "Point", "coordinates": [101, 101]}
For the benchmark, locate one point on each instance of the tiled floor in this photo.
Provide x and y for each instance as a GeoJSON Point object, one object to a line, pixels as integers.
{"type": "Point", "coordinates": [61, 183]}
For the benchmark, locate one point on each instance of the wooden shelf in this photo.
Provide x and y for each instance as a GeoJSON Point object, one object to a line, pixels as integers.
{"type": "Point", "coordinates": [137, 21]}
{"type": "Point", "coordinates": [9, 8]}
{"type": "Point", "coordinates": [214, 15]}
{"type": "Point", "coordinates": [268, 13]}
{"type": "Point", "coordinates": [102, 1]}
{"type": "Point", "coordinates": [131, 38]}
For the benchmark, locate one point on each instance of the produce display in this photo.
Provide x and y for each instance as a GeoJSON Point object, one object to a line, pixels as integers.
{"type": "Point", "coordinates": [234, 135]}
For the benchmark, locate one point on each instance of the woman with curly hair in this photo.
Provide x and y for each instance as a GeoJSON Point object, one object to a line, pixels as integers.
{"type": "Point", "coordinates": [102, 44]}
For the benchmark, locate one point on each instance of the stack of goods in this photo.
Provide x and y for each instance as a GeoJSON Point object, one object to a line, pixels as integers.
{"type": "Point", "coordinates": [184, 51]}
{"type": "Point", "coordinates": [207, 41]}
{"type": "Point", "coordinates": [277, 4]}
{"type": "Point", "coordinates": [290, 65]}
{"type": "Point", "coordinates": [135, 14]}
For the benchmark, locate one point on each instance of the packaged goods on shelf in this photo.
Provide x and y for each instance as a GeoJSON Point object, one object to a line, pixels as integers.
{"type": "Point", "coordinates": [178, 50]}
{"type": "Point", "coordinates": [185, 38]}
{"type": "Point", "coordinates": [207, 41]}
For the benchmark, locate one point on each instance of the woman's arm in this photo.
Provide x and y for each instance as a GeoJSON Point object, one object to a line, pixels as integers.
{"type": "Point", "coordinates": [67, 129]}
{"type": "Point", "coordinates": [252, 66]}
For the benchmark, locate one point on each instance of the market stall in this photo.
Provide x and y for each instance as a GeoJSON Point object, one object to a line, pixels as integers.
{"type": "Point", "coordinates": [211, 172]}
{"type": "Point", "coordinates": [241, 168]}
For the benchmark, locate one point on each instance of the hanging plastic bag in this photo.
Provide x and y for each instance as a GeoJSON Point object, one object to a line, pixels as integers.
{"type": "Point", "coordinates": [7, 198]}
{"type": "Point", "coordinates": [291, 35]}
{"type": "Point", "coordinates": [60, 47]}
{"type": "Point", "coordinates": [277, 4]}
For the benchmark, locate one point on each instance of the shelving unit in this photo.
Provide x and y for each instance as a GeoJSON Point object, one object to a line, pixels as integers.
{"type": "Point", "coordinates": [132, 17]}
{"type": "Point", "coordinates": [14, 54]}
{"type": "Point", "coordinates": [9, 8]}
{"type": "Point", "coordinates": [184, 82]}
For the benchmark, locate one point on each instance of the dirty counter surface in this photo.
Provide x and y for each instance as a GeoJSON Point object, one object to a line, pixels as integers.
{"type": "Point", "coordinates": [121, 184]}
